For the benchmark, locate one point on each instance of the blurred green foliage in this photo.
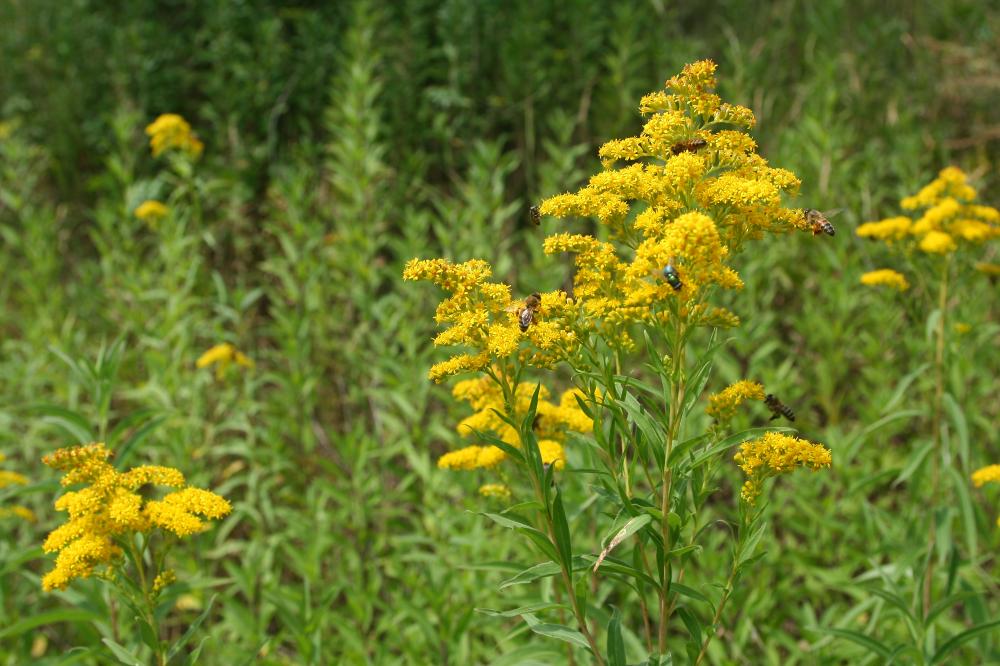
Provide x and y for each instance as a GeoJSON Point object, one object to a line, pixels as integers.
{"type": "Point", "coordinates": [344, 138]}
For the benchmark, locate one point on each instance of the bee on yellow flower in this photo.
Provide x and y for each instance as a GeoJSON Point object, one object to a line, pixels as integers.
{"type": "Point", "coordinates": [222, 356]}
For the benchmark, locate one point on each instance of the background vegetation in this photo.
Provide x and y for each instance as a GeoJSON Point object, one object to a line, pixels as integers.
{"type": "Point", "coordinates": [342, 139]}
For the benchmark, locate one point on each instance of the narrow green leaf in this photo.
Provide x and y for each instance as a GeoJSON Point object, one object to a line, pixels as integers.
{"type": "Point", "coordinates": [557, 631]}
{"type": "Point", "coordinates": [961, 639]}
{"type": "Point", "coordinates": [515, 612]}
{"type": "Point", "coordinates": [121, 653]}
{"type": "Point", "coordinates": [51, 617]}
{"type": "Point", "coordinates": [902, 386]}
{"type": "Point", "coordinates": [916, 460]}
{"type": "Point", "coordinates": [616, 643]}
{"type": "Point", "coordinates": [189, 634]}
{"type": "Point", "coordinates": [692, 624]}
{"type": "Point", "coordinates": [630, 528]}
{"type": "Point", "coordinates": [858, 638]}
{"type": "Point", "coordinates": [124, 452]}
{"type": "Point", "coordinates": [543, 570]}
{"type": "Point", "coordinates": [561, 530]}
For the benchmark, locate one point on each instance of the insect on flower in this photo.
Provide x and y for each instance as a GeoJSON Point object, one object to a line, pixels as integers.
{"type": "Point", "coordinates": [688, 146]}
{"type": "Point", "coordinates": [536, 215]}
{"type": "Point", "coordinates": [818, 221]}
{"type": "Point", "coordinates": [671, 275]}
{"type": "Point", "coordinates": [778, 408]}
{"type": "Point", "coordinates": [526, 311]}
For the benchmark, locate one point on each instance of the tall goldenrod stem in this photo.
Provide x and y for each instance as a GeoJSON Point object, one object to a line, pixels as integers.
{"type": "Point", "coordinates": [939, 350]}
{"type": "Point", "coordinates": [677, 396]}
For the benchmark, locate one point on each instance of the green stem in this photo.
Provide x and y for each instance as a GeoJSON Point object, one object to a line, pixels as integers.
{"type": "Point", "coordinates": [939, 351]}
{"type": "Point", "coordinates": [677, 396]}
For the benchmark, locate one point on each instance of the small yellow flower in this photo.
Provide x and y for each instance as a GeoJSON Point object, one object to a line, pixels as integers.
{"type": "Point", "coordinates": [775, 453]}
{"type": "Point", "coordinates": [151, 212]}
{"type": "Point", "coordinates": [984, 475]}
{"type": "Point", "coordinates": [937, 242]}
{"type": "Point", "coordinates": [498, 490]}
{"type": "Point", "coordinates": [170, 131]}
{"type": "Point", "coordinates": [886, 277]}
{"type": "Point", "coordinates": [222, 356]}
{"type": "Point", "coordinates": [893, 228]}
{"type": "Point", "coordinates": [723, 405]}
{"type": "Point", "coordinates": [163, 579]}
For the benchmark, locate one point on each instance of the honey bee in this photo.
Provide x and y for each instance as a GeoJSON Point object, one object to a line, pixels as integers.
{"type": "Point", "coordinates": [778, 408]}
{"type": "Point", "coordinates": [688, 145]}
{"type": "Point", "coordinates": [536, 215]}
{"type": "Point", "coordinates": [820, 225]}
{"type": "Point", "coordinates": [526, 312]}
{"type": "Point", "coordinates": [670, 274]}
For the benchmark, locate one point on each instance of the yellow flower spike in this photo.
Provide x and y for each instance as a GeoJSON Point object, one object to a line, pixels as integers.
{"type": "Point", "coordinates": [893, 228]}
{"type": "Point", "coordinates": [497, 490]}
{"type": "Point", "coordinates": [773, 454]}
{"type": "Point", "coordinates": [108, 510]}
{"type": "Point", "coordinates": [984, 475]}
{"type": "Point", "coordinates": [222, 356]}
{"type": "Point", "coordinates": [886, 277]}
{"type": "Point", "coordinates": [164, 579]}
{"type": "Point", "coordinates": [938, 242]}
{"type": "Point", "coordinates": [723, 405]}
{"type": "Point", "coordinates": [151, 212]}
{"type": "Point", "coordinates": [169, 132]}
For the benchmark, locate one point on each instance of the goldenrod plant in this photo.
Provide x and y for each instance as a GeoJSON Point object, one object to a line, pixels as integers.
{"type": "Point", "coordinates": [677, 204]}
{"type": "Point", "coordinates": [939, 248]}
{"type": "Point", "coordinates": [117, 532]}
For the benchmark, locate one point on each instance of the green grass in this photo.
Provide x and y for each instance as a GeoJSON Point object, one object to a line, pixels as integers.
{"type": "Point", "coordinates": [339, 143]}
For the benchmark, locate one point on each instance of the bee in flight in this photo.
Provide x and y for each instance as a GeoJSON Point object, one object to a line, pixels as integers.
{"type": "Point", "coordinates": [778, 408]}
{"type": "Point", "coordinates": [526, 311]}
{"type": "Point", "coordinates": [688, 145]}
{"type": "Point", "coordinates": [536, 215]}
{"type": "Point", "coordinates": [670, 274]}
{"type": "Point", "coordinates": [820, 225]}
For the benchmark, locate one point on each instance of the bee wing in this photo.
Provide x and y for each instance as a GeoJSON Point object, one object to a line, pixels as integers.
{"type": "Point", "coordinates": [835, 211]}
{"type": "Point", "coordinates": [512, 308]}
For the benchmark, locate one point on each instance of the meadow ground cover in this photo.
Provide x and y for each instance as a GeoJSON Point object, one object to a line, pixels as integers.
{"type": "Point", "coordinates": [231, 429]}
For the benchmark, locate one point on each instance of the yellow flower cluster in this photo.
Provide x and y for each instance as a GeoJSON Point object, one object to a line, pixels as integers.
{"type": "Point", "coordinates": [498, 490]}
{"type": "Point", "coordinates": [481, 315]}
{"type": "Point", "coordinates": [222, 356]}
{"type": "Point", "coordinates": [552, 421]}
{"type": "Point", "coordinates": [886, 277]}
{"type": "Point", "coordinates": [170, 131]}
{"type": "Point", "coordinates": [151, 212]}
{"type": "Point", "coordinates": [9, 478]}
{"type": "Point", "coordinates": [699, 192]}
{"type": "Point", "coordinates": [111, 507]}
{"type": "Point", "coordinates": [949, 217]}
{"type": "Point", "coordinates": [775, 453]}
{"type": "Point", "coordinates": [723, 405]}
{"type": "Point", "coordinates": [984, 475]}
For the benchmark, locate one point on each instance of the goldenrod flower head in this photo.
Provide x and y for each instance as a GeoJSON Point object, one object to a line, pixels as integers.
{"type": "Point", "coordinates": [984, 475]}
{"type": "Point", "coordinates": [170, 131]}
{"type": "Point", "coordinates": [109, 509]}
{"type": "Point", "coordinates": [151, 212]}
{"type": "Point", "coordinates": [886, 277]}
{"type": "Point", "coordinates": [723, 405]}
{"type": "Point", "coordinates": [893, 228]}
{"type": "Point", "coordinates": [701, 194]}
{"type": "Point", "coordinates": [163, 579]}
{"type": "Point", "coordinates": [498, 490]}
{"type": "Point", "coordinates": [472, 457]}
{"type": "Point", "coordinates": [222, 356]}
{"type": "Point", "coordinates": [938, 242]}
{"type": "Point", "coordinates": [775, 453]}
{"type": "Point", "coordinates": [9, 478]}
{"type": "Point", "coordinates": [18, 511]}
